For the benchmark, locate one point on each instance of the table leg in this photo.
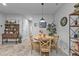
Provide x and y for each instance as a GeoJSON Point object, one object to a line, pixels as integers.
{"type": "Point", "coordinates": [16, 41]}
{"type": "Point", "coordinates": [2, 41]}
{"type": "Point", "coordinates": [7, 41]}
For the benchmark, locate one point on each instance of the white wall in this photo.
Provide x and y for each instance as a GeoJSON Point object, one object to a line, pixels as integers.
{"type": "Point", "coordinates": [63, 32]}
{"type": "Point", "coordinates": [36, 19]}
{"type": "Point", "coordinates": [24, 24]}
{"type": "Point", "coordinates": [2, 19]}
{"type": "Point", "coordinates": [2, 22]}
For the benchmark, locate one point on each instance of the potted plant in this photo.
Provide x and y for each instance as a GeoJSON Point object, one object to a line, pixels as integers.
{"type": "Point", "coordinates": [52, 29]}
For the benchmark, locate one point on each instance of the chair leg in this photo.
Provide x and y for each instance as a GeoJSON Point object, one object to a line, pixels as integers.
{"type": "Point", "coordinates": [56, 50]}
{"type": "Point", "coordinates": [16, 41]}
{"type": "Point", "coordinates": [31, 49]}
{"type": "Point", "coordinates": [49, 53]}
{"type": "Point", "coordinates": [40, 52]}
{"type": "Point", "coordinates": [7, 41]}
{"type": "Point", "coordinates": [2, 41]}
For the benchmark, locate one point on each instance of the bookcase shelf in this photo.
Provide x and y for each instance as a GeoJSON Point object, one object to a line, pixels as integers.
{"type": "Point", "coordinates": [74, 25]}
{"type": "Point", "coordinates": [73, 28]}
{"type": "Point", "coordinates": [11, 31]}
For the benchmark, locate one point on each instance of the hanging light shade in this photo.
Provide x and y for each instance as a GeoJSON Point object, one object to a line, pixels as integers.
{"type": "Point", "coordinates": [42, 20]}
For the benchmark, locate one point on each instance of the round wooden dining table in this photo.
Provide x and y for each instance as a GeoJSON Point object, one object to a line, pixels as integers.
{"type": "Point", "coordinates": [40, 37]}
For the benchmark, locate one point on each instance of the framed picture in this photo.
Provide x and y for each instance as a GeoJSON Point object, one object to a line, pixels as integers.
{"type": "Point", "coordinates": [63, 21]}
{"type": "Point", "coordinates": [42, 24]}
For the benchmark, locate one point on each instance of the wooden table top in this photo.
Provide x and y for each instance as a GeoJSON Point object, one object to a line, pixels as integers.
{"type": "Point", "coordinates": [38, 37]}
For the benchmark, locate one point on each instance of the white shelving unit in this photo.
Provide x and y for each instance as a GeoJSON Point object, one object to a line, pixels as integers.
{"type": "Point", "coordinates": [73, 28]}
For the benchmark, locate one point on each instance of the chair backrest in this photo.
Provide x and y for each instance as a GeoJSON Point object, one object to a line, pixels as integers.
{"type": "Point", "coordinates": [31, 38]}
{"type": "Point", "coordinates": [45, 44]}
{"type": "Point", "coordinates": [56, 39]}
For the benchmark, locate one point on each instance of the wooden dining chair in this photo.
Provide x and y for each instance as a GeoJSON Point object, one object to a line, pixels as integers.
{"type": "Point", "coordinates": [54, 43]}
{"type": "Point", "coordinates": [45, 46]}
{"type": "Point", "coordinates": [34, 44]}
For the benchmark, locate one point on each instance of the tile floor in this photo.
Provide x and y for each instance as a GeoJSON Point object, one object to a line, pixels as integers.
{"type": "Point", "coordinates": [24, 49]}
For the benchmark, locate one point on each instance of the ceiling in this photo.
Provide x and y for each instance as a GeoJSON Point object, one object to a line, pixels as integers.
{"type": "Point", "coordinates": [29, 8]}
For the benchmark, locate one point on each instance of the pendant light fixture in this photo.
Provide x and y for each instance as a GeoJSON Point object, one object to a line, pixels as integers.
{"type": "Point", "coordinates": [42, 20]}
{"type": "Point", "coordinates": [4, 4]}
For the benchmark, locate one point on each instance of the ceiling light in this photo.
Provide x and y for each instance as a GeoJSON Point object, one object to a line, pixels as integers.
{"type": "Point", "coordinates": [30, 18]}
{"type": "Point", "coordinates": [42, 22]}
{"type": "Point", "coordinates": [42, 11]}
{"type": "Point", "coordinates": [4, 4]}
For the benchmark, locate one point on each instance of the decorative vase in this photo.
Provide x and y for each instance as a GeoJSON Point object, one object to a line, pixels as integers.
{"type": "Point", "coordinates": [6, 21]}
{"type": "Point", "coordinates": [75, 35]}
{"type": "Point", "coordinates": [75, 22]}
